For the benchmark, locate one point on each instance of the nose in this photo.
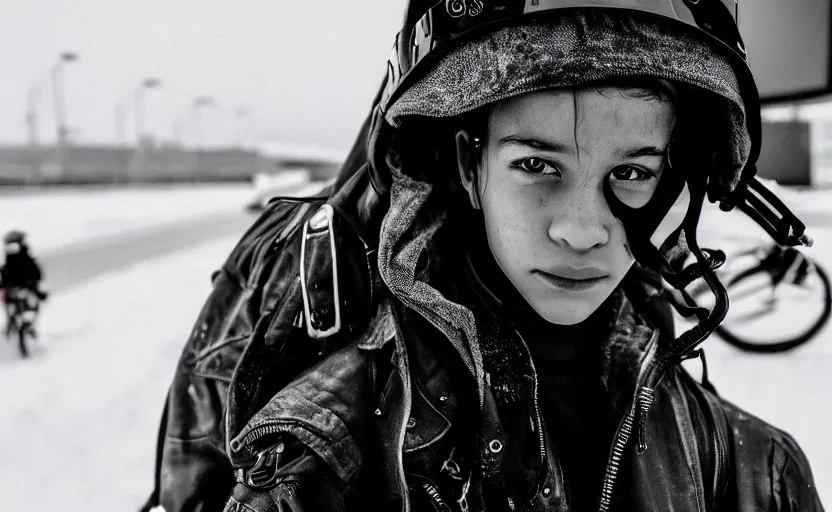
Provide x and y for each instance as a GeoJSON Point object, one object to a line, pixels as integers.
{"type": "Point", "coordinates": [581, 222]}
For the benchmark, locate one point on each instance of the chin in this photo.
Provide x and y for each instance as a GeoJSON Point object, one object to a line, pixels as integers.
{"type": "Point", "coordinates": [555, 313]}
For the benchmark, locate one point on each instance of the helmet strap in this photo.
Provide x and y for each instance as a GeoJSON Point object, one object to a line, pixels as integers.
{"type": "Point", "coordinates": [640, 224]}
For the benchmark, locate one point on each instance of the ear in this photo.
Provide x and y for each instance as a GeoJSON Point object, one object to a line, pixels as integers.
{"type": "Point", "coordinates": [466, 162]}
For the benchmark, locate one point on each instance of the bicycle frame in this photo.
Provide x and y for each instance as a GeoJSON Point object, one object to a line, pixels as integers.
{"type": "Point", "coordinates": [22, 309]}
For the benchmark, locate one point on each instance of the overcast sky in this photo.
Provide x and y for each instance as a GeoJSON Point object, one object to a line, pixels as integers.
{"type": "Point", "coordinates": [305, 71]}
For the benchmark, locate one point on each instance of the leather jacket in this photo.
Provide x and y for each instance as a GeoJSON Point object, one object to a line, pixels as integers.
{"type": "Point", "coordinates": [21, 270]}
{"type": "Point", "coordinates": [384, 416]}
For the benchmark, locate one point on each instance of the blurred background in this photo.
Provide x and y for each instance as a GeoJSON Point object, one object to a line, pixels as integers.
{"type": "Point", "coordinates": [138, 140]}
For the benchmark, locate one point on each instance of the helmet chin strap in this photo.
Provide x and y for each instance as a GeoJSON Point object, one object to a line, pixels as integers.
{"type": "Point", "coordinates": [675, 210]}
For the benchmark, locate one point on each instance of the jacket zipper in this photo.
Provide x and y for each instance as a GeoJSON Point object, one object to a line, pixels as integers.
{"type": "Point", "coordinates": [622, 435]}
{"type": "Point", "coordinates": [538, 418]}
{"type": "Point", "coordinates": [719, 459]}
{"type": "Point", "coordinates": [276, 427]}
{"type": "Point", "coordinates": [719, 441]}
{"type": "Point", "coordinates": [720, 454]}
{"type": "Point", "coordinates": [537, 415]}
{"type": "Point", "coordinates": [407, 390]}
{"type": "Point", "coordinates": [641, 405]}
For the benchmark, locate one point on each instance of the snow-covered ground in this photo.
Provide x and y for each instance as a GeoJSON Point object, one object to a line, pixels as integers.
{"type": "Point", "coordinates": [57, 218]}
{"type": "Point", "coordinates": [60, 217]}
{"type": "Point", "coordinates": [79, 418]}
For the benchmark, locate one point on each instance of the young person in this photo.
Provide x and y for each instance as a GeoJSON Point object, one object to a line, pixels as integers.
{"type": "Point", "coordinates": [470, 322]}
{"type": "Point", "coordinates": [20, 269]}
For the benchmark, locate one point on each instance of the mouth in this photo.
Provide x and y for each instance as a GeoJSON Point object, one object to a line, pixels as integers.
{"type": "Point", "coordinates": [572, 282]}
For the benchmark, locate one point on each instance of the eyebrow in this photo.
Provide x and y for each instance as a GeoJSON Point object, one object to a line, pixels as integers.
{"type": "Point", "coordinates": [516, 140]}
{"type": "Point", "coordinates": [554, 147]}
{"type": "Point", "coordinates": [645, 151]}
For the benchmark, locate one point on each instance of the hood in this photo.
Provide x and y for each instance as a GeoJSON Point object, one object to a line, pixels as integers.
{"type": "Point", "coordinates": [410, 232]}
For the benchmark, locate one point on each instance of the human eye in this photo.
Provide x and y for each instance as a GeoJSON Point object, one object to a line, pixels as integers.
{"type": "Point", "coordinates": [632, 173]}
{"type": "Point", "coordinates": [633, 185]}
{"type": "Point", "coordinates": [537, 166]}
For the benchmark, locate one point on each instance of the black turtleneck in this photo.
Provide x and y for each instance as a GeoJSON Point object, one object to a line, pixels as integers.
{"type": "Point", "coordinates": [578, 415]}
{"type": "Point", "coordinates": [575, 404]}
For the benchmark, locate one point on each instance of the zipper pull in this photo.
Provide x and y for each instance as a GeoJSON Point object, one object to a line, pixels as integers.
{"type": "Point", "coordinates": [452, 467]}
{"type": "Point", "coordinates": [264, 472]}
{"type": "Point", "coordinates": [646, 396]}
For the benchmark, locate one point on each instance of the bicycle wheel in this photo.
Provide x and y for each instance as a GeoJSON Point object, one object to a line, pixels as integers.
{"type": "Point", "coordinates": [9, 323]}
{"type": "Point", "coordinates": [764, 337]}
{"type": "Point", "coordinates": [22, 331]}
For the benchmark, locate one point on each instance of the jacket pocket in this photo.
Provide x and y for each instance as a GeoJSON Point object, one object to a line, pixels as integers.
{"type": "Point", "coordinates": [218, 361]}
{"type": "Point", "coordinates": [221, 330]}
{"type": "Point", "coordinates": [426, 424]}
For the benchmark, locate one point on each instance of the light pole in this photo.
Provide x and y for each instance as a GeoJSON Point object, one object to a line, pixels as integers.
{"type": "Point", "coordinates": [57, 90]}
{"type": "Point", "coordinates": [147, 83]}
{"type": "Point", "coordinates": [32, 127]}
{"type": "Point", "coordinates": [32, 113]}
{"type": "Point", "coordinates": [199, 103]}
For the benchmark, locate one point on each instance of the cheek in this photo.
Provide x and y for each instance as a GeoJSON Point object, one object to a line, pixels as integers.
{"type": "Point", "coordinates": [514, 215]}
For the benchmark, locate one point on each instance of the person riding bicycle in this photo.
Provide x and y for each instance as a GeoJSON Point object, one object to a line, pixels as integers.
{"type": "Point", "coordinates": [20, 270]}
{"type": "Point", "coordinates": [464, 324]}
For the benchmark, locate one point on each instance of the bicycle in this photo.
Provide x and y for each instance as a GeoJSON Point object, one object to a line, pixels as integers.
{"type": "Point", "coordinates": [22, 307]}
{"type": "Point", "coordinates": [770, 287]}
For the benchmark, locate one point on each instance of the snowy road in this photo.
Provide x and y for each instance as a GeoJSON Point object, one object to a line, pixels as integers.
{"type": "Point", "coordinates": [79, 263]}
{"type": "Point", "coordinates": [79, 419]}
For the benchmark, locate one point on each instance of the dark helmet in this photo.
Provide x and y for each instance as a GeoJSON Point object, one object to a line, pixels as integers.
{"type": "Point", "coordinates": [432, 29]}
{"type": "Point", "coordinates": [14, 237]}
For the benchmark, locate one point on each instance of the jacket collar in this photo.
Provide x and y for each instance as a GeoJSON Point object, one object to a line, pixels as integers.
{"type": "Point", "coordinates": [624, 335]}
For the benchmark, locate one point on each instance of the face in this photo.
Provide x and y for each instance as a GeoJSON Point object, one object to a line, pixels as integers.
{"type": "Point", "coordinates": [540, 187]}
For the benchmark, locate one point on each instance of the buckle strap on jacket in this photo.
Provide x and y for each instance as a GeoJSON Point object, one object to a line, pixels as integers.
{"type": "Point", "coordinates": [319, 275]}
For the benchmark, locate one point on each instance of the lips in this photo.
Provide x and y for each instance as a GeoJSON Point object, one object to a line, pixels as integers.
{"type": "Point", "coordinates": [576, 274]}
{"type": "Point", "coordinates": [574, 279]}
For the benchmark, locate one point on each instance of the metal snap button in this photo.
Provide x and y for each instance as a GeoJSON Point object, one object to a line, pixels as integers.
{"type": "Point", "coordinates": [411, 422]}
{"type": "Point", "coordinates": [495, 446]}
{"type": "Point", "coordinates": [547, 491]}
{"type": "Point", "coordinates": [377, 412]}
